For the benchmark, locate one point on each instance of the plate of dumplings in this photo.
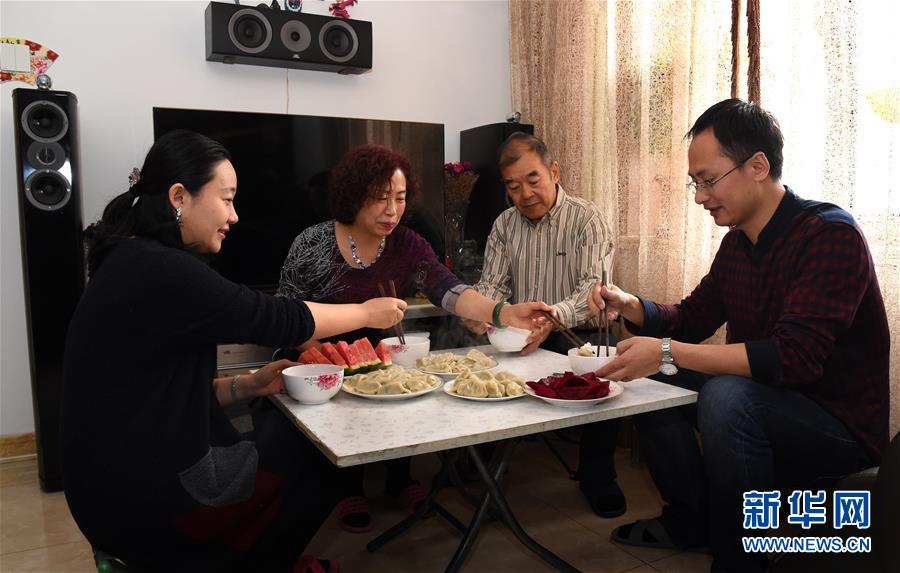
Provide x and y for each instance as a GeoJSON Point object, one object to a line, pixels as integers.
{"type": "Point", "coordinates": [486, 386]}
{"type": "Point", "coordinates": [449, 364]}
{"type": "Point", "coordinates": [393, 383]}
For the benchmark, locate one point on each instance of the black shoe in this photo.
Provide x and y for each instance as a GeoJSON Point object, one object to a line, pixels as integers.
{"type": "Point", "coordinates": [605, 500]}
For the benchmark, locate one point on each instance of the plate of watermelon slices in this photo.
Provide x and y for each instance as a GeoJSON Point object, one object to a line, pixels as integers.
{"type": "Point", "coordinates": [356, 358]}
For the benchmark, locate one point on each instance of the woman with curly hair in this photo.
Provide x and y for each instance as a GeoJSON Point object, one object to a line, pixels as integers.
{"type": "Point", "coordinates": [344, 261]}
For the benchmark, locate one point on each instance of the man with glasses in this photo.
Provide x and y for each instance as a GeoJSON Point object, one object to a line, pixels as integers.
{"type": "Point", "coordinates": [798, 395]}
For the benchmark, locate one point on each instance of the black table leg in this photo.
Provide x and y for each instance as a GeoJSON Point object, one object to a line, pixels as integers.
{"type": "Point", "coordinates": [423, 508]}
{"type": "Point", "coordinates": [498, 464]}
{"type": "Point", "coordinates": [506, 514]}
{"type": "Point", "coordinates": [492, 495]}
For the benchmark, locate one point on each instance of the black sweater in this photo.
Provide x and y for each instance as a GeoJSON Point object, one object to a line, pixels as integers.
{"type": "Point", "coordinates": [143, 435]}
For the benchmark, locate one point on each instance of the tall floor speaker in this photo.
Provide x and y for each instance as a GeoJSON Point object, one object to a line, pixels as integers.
{"type": "Point", "coordinates": [49, 189]}
{"type": "Point", "coordinates": [479, 146]}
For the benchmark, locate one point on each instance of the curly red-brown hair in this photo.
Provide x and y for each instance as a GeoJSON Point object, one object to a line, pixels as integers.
{"type": "Point", "coordinates": [362, 174]}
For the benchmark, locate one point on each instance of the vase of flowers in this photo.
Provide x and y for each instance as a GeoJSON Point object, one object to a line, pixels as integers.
{"type": "Point", "coordinates": [459, 180]}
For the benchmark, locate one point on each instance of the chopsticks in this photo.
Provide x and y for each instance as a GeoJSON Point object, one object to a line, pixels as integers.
{"type": "Point", "coordinates": [573, 338]}
{"type": "Point", "coordinates": [398, 328]}
{"type": "Point", "coordinates": [603, 326]}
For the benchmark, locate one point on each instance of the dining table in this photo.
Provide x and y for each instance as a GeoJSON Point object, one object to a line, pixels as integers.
{"type": "Point", "coordinates": [352, 430]}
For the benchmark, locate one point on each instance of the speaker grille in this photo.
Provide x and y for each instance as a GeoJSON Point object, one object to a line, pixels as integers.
{"type": "Point", "coordinates": [46, 155]}
{"type": "Point", "coordinates": [250, 31]}
{"type": "Point", "coordinates": [48, 190]}
{"type": "Point", "coordinates": [44, 121]}
{"type": "Point", "coordinates": [295, 36]}
{"type": "Point", "coordinates": [338, 41]}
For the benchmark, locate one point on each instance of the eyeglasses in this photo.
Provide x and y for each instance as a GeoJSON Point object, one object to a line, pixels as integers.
{"type": "Point", "coordinates": [692, 186]}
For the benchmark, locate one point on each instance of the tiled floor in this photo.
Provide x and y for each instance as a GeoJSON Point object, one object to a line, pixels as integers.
{"type": "Point", "coordinates": [38, 534]}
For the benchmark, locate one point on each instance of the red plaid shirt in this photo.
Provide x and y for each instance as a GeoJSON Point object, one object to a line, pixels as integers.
{"type": "Point", "coordinates": [805, 301]}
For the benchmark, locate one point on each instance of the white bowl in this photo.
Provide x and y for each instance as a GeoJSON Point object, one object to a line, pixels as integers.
{"type": "Point", "coordinates": [585, 364]}
{"type": "Point", "coordinates": [406, 354]}
{"type": "Point", "coordinates": [313, 383]}
{"type": "Point", "coordinates": [418, 334]}
{"type": "Point", "coordinates": [508, 339]}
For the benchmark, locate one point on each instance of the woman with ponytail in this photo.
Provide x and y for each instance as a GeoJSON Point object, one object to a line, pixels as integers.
{"type": "Point", "coordinates": [154, 472]}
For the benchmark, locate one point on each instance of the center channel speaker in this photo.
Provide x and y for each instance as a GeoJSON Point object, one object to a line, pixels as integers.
{"type": "Point", "coordinates": [48, 175]}
{"type": "Point", "coordinates": [238, 34]}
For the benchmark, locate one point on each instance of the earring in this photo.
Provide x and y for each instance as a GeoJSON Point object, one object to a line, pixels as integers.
{"type": "Point", "coordinates": [178, 214]}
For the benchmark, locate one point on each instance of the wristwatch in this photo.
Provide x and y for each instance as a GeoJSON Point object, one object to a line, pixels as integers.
{"type": "Point", "coordinates": [667, 366]}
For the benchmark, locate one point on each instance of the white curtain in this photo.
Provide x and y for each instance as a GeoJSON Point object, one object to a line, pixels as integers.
{"type": "Point", "coordinates": [613, 87]}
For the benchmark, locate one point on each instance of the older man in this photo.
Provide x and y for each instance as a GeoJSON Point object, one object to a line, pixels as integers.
{"type": "Point", "coordinates": [798, 395]}
{"type": "Point", "coordinates": [552, 247]}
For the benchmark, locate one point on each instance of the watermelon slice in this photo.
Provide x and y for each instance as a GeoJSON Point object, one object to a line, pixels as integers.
{"type": "Point", "coordinates": [333, 356]}
{"type": "Point", "coordinates": [349, 355]}
{"type": "Point", "coordinates": [383, 353]}
{"type": "Point", "coordinates": [313, 356]}
{"type": "Point", "coordinates": [367, 353]}
{"type": "Point", "coordinates": [355, 363]}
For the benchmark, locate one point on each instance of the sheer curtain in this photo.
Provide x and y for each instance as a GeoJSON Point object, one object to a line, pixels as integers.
{"type": "Point", "coordinates": [830, 71]}
{"type": "Point", "coordinates": [613, 87]}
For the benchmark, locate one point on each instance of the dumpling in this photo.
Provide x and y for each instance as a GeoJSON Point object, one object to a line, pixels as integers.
{"type": "Point", "coordinates": [368, 385]}
{"type": "Point", "coordinates": [479, 357]}
{"type": "Point", "coordinates": [587, 350]}
{"type": "Point", "coordinates": [471, 387]}
{"type": "Point", "coordinates": [512, 388]}
{"type": "Point", "coordinates": [418, 384]}
{"type": "Point", "coordinates": [395, 387]}
{"type": "Point", "coordinates": [510, 377]}
{"type": "Point", "coordinates": [494, 390]}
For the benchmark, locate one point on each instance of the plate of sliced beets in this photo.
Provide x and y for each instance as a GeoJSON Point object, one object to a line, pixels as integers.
{"type": "Point", "coordinates": [570, 390]}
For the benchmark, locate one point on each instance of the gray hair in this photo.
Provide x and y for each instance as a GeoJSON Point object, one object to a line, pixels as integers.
{"type": "Point", "coordinates": [510, 150]}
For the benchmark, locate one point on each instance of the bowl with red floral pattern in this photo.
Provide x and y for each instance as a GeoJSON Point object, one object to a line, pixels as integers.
{"type": "Point", "coordinates": [313, 383]}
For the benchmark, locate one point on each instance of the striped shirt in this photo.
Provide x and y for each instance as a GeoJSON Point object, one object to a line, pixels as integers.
{"type": "Point", "coordinates": [556, 259]}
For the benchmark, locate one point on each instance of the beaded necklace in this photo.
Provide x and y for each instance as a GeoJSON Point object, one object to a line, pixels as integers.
{"type": "Point", "coordinates": [355, 256]}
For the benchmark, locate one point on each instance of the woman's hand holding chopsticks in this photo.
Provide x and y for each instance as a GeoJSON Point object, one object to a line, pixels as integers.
{"type": "Point", "coordinates": [384, 312]}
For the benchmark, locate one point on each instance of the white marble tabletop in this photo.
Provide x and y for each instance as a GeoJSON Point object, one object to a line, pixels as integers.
{"type": "Point", "coordinates": [351, 430]}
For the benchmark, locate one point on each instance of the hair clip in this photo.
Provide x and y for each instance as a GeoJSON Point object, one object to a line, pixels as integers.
{"type": "Point", "coordinates": [134, 177]}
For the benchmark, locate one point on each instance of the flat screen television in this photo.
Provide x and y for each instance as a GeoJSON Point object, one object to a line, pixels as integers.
{"type": "Point", "coordinates": [282, 163]}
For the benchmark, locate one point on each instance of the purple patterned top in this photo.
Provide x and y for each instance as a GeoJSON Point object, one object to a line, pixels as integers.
{"type": "Point", "coordinates": [314, 270]}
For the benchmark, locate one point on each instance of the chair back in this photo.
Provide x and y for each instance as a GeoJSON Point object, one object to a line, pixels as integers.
{"type": "Point", "coordinates": [886, 509]}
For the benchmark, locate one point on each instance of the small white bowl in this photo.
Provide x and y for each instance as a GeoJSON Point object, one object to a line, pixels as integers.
{"type": "Point", "coordinates": [585, 364]}
{"type": "Point", "coordinates": [508, 339]}
{"type": "Point", "coordinates": [406, 354]}
{"type": "Point", "coordinates": [313, 383]}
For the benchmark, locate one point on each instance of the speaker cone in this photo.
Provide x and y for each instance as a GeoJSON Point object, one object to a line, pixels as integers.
{"type": "Point", "coordinates": [46, 155]}
{"type": "Point", "coordinates": [338, 41]}
{"type": "Point", "coordinates": [48, 190]}
{"type": "Point", "coordinates": [249, 31]}
{"type": "Point", "coordinates": [44, 121]}
{"type": "Point", "coordinates": [295, 36]}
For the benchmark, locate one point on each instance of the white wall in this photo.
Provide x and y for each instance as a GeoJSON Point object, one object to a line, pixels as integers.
{"type": "Point", "coordinates": [434, 61]}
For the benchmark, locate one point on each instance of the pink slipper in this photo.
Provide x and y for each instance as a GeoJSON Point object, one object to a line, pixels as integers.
{"type": "Point", "coordinates": [310, 564]}
{"type": "Point", "coordinates": [354, 514]}
{"type": "Point", "coordinates": [412, 495]}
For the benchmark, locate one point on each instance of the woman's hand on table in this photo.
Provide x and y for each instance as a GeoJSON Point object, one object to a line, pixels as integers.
{"type": "Point", "coordinates": [265, 381]}
{"type": "Point", "coordinates": [384, 312]}
{"type": "Point", "coordinates": [636, 357]}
